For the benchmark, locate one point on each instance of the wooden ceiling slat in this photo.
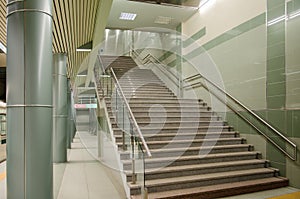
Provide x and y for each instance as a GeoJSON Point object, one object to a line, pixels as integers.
{"type": "Point", "coordinates": [73, 26]}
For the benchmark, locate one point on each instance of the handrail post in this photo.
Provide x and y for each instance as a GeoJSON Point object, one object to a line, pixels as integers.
{"type": "Point", "coordinates": [133, 161]}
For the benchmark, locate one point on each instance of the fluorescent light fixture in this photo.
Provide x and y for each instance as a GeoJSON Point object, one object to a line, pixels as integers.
{"type": "Point", "coordinates": [276, 20]}
{"type": "Point", "coordinates": [83, 50]}
{"type": "Point", "coordinates": [163, 20]}
{"type": "Point", "coordinates": [127, 16]}
{"type": "Point", "coordinates": [104, 75]}
{"type": "Point", "coordinates": [81, 75]}
{"type": "Point", "coordinates": [85, 47]}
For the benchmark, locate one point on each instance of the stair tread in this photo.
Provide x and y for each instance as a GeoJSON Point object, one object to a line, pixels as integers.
{"type": "Point", "coordinates": [193, 148]}
{"type": "Point", "coordinates": [202, 177]}
{"type": "Point", "coordinates": [185, 127]}
{"type": "Point", "coordinates": [202, 166]}
{"type": "Point", "coordinates": [195, 140]}
{"type": "Point", "coordinates": [185, 134]}
{"type": "Point", "coordinates": [168, 159]}
{"type": "Point", "coordinates": [213, 188]}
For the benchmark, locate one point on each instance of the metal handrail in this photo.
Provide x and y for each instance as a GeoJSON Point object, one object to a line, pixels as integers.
{"type": "Point", "coordinates": [157, 61]}
{"type": "Point", "coordinates": [159, 67]}
{"type": "Point", "coordinates": [193, 77]}
{"type": "Point", "coordinates": [119, 89]}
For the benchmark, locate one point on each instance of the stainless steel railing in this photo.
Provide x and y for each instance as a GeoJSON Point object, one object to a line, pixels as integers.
{"type": "Point", "coordinates": [197, 82]}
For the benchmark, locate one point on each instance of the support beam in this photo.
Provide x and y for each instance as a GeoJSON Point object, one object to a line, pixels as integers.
{"type": "Point", "coordinates": [29, 99]}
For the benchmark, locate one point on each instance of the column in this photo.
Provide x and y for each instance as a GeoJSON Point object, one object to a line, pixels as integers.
{"type": "Point", "coordinates": [29, 99]}
{"type": "Point", "coordinates": [60, 111]}
{"type": "Point", "coordinates": [69, 107]}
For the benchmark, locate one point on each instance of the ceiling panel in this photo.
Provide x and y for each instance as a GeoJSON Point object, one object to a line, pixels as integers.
{"type": "Point", "coordinates": [73, 26]}
{"type": "Point", "coordinates": [147, 14]}
{"type": "Point", "coordinates": [3, 22]}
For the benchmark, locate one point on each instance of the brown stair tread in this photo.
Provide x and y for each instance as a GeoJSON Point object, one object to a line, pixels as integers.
{"type": "Point", "coordinates": [204, 177]}
{"type": "Point", "coordinates": [186, 127]}
{"type": "Point", "coordinates": [182, 150]}
{"type": "Point", "coordinates": [203, 166]}
{"type": "Point", "coordinates": [196, 140]}
{"type": "Point", "coordinates": [208, 156]}
{"type": "Point", "coordinates": [208, 134]}
{"type": "Point", "coordinates": [221, 190]}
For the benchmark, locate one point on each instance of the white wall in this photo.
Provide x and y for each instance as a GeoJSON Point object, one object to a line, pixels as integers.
{"type": "Point", "coordinates": [219, 16]}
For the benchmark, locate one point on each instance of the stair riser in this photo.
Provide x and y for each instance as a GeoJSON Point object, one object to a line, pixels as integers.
{"type": "Point", "coordinates": [179, 162]}
{"type": "Point", "coordinates": [183, 185]}
{"type": "Point", "coordinates": [192, 143]}
{"type": "Point", "coordinates": [158, 132]}
{"type": "Point", "coordinates": [147, 93]}
{"type": "Point", "coordinates": [154, 118]}
{"type": "Point", "coordinates": [158, 105]}
{"type": "Point", "coordinates": [204, 116]}
{"type": "Point", "coordinates": [166, 113]}
{"type": "Point", "coordinates": [189, 152]}
{"type": "Point", "coordinates": [191, 172]}
{"type": "Point", "coordinates": [194, 130]}
{"type": "Point", "coordinates": [182, 137]}
{"type": "Point", "coordinates": [167, 109]}
{"type": "Point", "coordinates": [175, 124]}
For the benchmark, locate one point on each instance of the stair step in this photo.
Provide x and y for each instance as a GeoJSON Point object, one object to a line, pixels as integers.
{"type": "Point", "coordinates": [220, 190]}
{"type": "Point", "coordinates": [192, 143]}
{"type": "Point", "coordinates": [148, 117]}
{"type": "Point", "coordinates": [188, 170]}
{"type": "Point", "coordinates": [171, 136]}
{"type": "Point", "coordinates": [174, 183]}
{"type": "Point", "coordinates": [196, 159]}
{"type": "Point", "coordinates": [186, 129]}
{"type": "Point", "coordinates": [188, 151]}
{"type": "Point", "coordinates": [182, 123]}
{"type": "Point", "coordinates": [195, 154]}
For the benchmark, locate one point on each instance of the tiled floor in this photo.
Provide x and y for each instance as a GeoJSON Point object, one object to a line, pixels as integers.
{"type": "Point", "coordinates": [83, 177]}
{"type": "Point", "coordinates": [2, 152]}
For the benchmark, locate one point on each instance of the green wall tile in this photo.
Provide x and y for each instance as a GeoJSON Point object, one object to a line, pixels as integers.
{"type": "Point", "coordinates": [173, 63]}
{"type": "Point", "coordinates": [276, 76]}
{"type": "Point", "coordinates": [276, 63]}
{"type": "Point", "coordinates": [243, 126]}
{"type": "Point", "coordinates": [274, 155]}
{"type": "Point", "coordinates": [194, 37]}
{"type": "Point", "coordinates": [277, 119]}
{"type": "Point", "coordinates": [280, 166]}
{"type": "Point", "coordinates": [274, 3]}
{"type": "Point", "coordinates": [290, 7]}
{"type": "Point", "coordinates": [276, 37]}
{"type": "Point", "coordinates": [257, 21]}
{"type": "Point", "coordinates": [276, 27]}
{"type": "Point", "coordinates": [276, 50]}
{"type": "Point", "coordinates": [296, 4]}
{"type": "Point", "coordinates": [276, 12]}
{"type": "Point", "coordinates": [231, 118]}
{"type": "Point", "coordinates": [296, 123]}
{"type": "Point", "coordinates": [276, 102]}
{"type": "Point", "coordinates": [289, 123]}
{"type": "Point", "coordinates": [276, 89]}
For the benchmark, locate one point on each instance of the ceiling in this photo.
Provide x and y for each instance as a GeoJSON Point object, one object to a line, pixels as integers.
{"type": "Point", "coordinates": [74, 23]}
{"type": "Point", "coordinates": [73, 26]}
{"type": "Point", "coordinates": [147, 13]}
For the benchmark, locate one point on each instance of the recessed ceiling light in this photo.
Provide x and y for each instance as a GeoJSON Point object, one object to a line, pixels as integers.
{"type": "Point", "coordinates": [127, 16]}
{"type": "Point", "coordinates": [163, 20]}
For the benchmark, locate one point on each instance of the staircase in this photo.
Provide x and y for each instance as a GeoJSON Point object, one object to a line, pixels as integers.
{"type": "Point", "coordinates": [195, 154]}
